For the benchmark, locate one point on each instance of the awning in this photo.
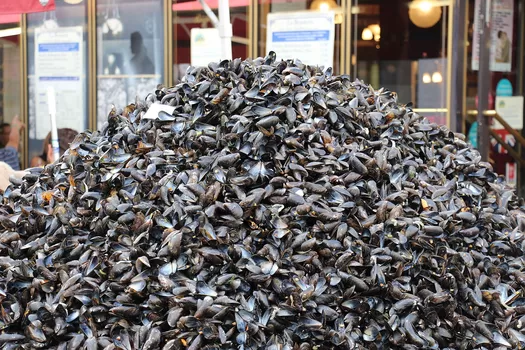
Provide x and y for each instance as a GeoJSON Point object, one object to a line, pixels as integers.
{"type": "Point", "coordinates": [13, 18]}
{"type": "Point", "coordinates": [196, 6]}
{"type": "Point", "coordinates": [213, 4]}
{"type": "Point", "coordinates": [11, 7]}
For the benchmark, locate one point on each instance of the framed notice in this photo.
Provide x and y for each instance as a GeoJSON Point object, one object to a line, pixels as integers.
{"type": "Point", "coordinates": [510, 108]}
{"type": "Point", "coordinates": [500, 36]}
{"type": "Point", "coordinates": [205, 46]}
{"type": "Point", "coordinates": [308, 36]}
{"type": "Point", "coordinates": [59, 63]}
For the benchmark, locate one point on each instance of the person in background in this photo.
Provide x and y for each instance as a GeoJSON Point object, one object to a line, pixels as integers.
{"type": "Point", "coordinates": [9, 154]}
{"type": "Point", "coordinates": [5, 129]}
{"type": "Point", "coordinates": [140, 63]}
{"type": "Point", "coordinates": [65, 137]}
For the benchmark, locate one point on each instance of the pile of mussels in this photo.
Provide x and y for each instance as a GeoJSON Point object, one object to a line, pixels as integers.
{"type": "Point", "coordinates": [278, 207]}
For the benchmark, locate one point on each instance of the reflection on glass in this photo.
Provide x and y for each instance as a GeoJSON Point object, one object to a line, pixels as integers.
{"type": "Point", "coordinates": [401, 45]}
{"type": "Point", "coordinates": [140, 63]}
{"type": "Point", "coordinates": [57, 57]}
{"type": "Point", "coordinates": [9, 76]}
{"type": "Point", "coordinates": [130, 52]}
{"type": "Point", "coordinates": [188, 15]}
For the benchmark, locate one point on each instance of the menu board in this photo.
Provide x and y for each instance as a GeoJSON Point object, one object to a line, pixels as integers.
{"type": "Point", "coordinates": [308, 36]}
{"type": "Point", "coordinates": [58, 64]}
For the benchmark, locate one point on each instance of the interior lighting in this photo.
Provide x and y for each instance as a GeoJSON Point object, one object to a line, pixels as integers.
{"type": "Point", "coordinates": [424, 13]}
{"type": "Point", "coordinates": [376, 29]}
{"type": "Point", "coordinates": [367, 34]}
{"type": "Point", "coordinates": [324, 5]}
{"type": "Point", "coordinates": [112, 23]}
{"type": "Point", "coordinates": [436, 77]}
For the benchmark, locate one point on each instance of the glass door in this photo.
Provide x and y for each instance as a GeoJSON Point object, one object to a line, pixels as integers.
{"type": "Point", "coordinates": [57, 52]}
{"type": "Point", "coordinates": [403, 45]}
{"type": "Point", "coordinates": [10, 70]}
{"type": "Point", "coordinates": [130, 52]}
{"type": "Point", "coordinates": [309, 30]}
{"type": "Point", "coordinates": [196, 41]}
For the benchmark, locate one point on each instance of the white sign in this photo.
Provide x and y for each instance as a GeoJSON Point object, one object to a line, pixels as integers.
{"type": "Point", "coordinates": [308, 36]}
{"type": "Point", "coordinates": [205, 46]}
{"type": "Point", "coordinates": [500, 37]}
{"type": "Point", "coordinates": [510, 108]}
{"type": "Point", "coordinates": [59, 64]}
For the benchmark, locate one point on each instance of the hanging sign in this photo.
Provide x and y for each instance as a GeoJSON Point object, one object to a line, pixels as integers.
{"type": "Point", "coordinates": [510, 108]}
{"type": "Point", "coordinates": [205, 46]}
{"type": "Point", "coordinates": [9, 7]}
{"type": "Point", "coordinates": [308, 36]}
{"type": "Point", "coordinates": [500, 37]}
{"type": "Point", "coordinates": [58, 64]}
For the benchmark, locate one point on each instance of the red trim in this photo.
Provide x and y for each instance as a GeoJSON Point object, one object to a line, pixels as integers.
{"type": "Point", "coordinates": [17, 7]}
{"type": "Point", "coordinates": [15, 18]}
{"type": "Point", "coordinates": [195, 5]}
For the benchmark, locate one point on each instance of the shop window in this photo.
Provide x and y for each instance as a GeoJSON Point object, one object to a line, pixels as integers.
{"type": "Point", "coordinates": [57, 52]}
{"type": "Point", "coordinates": [191, 26]}
{"type": "Point", "coordinates": [130, 52]}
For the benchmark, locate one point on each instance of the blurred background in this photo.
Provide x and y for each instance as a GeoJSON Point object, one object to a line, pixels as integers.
{"type": "Point", "coordinates": [103, 53]}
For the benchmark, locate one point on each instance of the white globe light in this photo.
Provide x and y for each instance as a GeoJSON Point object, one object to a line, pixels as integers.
{"type": "Point", "coordinates": [424, 14]}
{"type": "Point", "coordinates": [437, 78]}
{"type": "Point", "coordinates": [367, 34]}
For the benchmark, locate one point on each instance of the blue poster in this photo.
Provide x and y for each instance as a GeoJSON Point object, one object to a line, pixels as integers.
{"type": "Point", "coordinates": [504, 88]}
{"type": "Point", "coordinates": [473, 135]}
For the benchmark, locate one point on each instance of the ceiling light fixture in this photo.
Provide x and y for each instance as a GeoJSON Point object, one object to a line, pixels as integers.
{"type": "Point", "coordinates": [425, 6]}
{"type": "Point", "coordinates": [437, 78]}
{"type": "Point", "coordinates": [376, 29]}
{"type": "Point", "coordinates": [373, 31]}
{"type": "Point", "coordinates": [367, 34]}
{"type": "Point", "coordinates": [328, 5]}
{"type": "Point", "coordinates": [323, 5]}
{"type": "Point", "coordinates": [112, 23]}
{"type": "Point", "coordinates": [424, 13]}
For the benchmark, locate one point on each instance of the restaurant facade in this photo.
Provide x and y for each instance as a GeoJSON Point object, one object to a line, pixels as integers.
{"type": "Point", "coordinates": [104, 54]}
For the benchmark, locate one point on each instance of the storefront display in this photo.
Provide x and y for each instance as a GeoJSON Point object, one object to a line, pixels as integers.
{"type": "Point", "coordinates": [306, 35]}
{"type": "Point", "coordinates": [59, 64]}
{"type": "Point", "coordinates": [130, 52]}
{"type": "Point", "coordinates": [128, 48]}
{"type": "Point", "coordinates": [322, 215]}
{"type": "Point", "coordinates": [57, 56]}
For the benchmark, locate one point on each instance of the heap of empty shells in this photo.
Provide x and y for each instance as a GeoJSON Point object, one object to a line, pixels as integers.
{"type": "Point", "coordinates": [273, 206]}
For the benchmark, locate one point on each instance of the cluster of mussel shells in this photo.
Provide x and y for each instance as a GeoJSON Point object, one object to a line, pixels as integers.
{"type": "Point", "coordinates": [269, 205]}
